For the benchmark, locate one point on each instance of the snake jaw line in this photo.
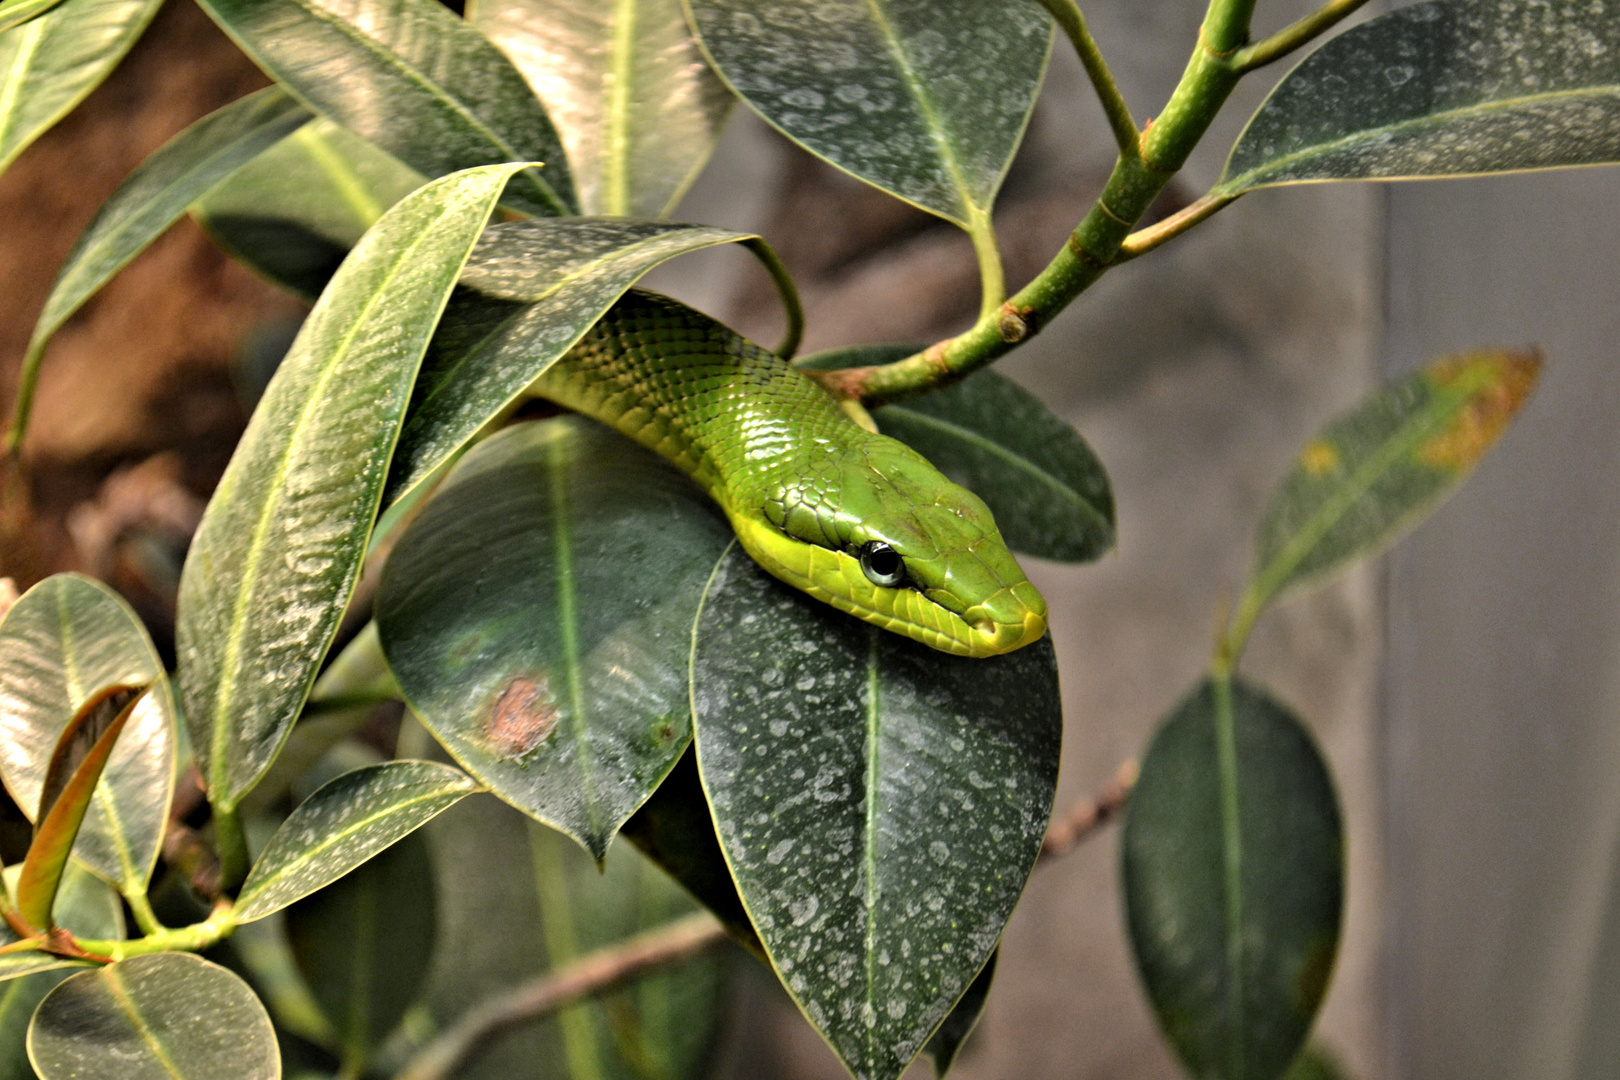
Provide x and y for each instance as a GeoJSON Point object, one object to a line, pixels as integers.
{"type": "Point", "coordinates": [910, 614]}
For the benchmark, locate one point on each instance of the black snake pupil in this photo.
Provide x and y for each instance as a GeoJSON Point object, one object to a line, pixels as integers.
{"type": "Point", "coordinates": [882, 563]}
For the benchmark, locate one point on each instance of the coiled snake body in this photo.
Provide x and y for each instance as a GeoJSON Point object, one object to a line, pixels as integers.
{"type": "Point", "coordinates": [853, 518]}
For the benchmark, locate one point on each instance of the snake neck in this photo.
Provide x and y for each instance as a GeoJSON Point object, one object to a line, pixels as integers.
{"type": "Point", "coordinates": [736, 418]}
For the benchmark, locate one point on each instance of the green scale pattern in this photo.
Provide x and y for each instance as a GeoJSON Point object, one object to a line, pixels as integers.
{"type": "Point", "coordinates": [804, 486]}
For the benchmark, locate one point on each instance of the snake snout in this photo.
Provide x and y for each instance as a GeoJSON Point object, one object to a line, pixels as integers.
{"type": "Point", "coordinates": [1018, 618]}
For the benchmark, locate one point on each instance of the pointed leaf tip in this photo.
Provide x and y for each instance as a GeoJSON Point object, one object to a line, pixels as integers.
{"type": "Point", "coordinates": [1380, 469]}
{"type": "Point", "coordinates": [70, 782]}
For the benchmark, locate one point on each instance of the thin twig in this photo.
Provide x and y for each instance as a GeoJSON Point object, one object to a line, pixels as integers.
{"type": "Point", "coordinates": [612, 967]}
{"type": "Point", "coordinates": [592, 974]}
{"type": "Point", "coordinates": [1088, 815]}
{"type": "Point", "coordinates": [1073, 21]}
{"type": "Point", "coordinates": [1289, 38]}
{"type": "Point", "coordinates": [1145, 240]}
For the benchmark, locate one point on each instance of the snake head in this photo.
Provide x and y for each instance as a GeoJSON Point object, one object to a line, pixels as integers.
{"type": "Point", "coordinates": [875, 530]}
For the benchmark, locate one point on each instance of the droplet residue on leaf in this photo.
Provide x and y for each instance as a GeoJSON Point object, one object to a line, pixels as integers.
{"type": "Point", "coordinates": [525, 714]}
{"type": "Point", "coordinates": [1500, 383]}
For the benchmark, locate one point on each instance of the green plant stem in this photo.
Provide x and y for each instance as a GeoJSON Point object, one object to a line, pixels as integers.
{"type": "Point", "coordinates": [1073, 21]}
{"type": "Point", "coordinates": [1289, 38]}
{"type": "Point", "coordinates": [233, 852]}
{"type": "Point", "coordinates": [1226, 26]}
{"type": "Point", "coordinates": [1145, 240]}
{"type": "Point", "coordinates": [1093, 247]}
{"type": "Point", "coordinates": [194, 938]}
{"type": "Point", "coordinates": [145, 917]}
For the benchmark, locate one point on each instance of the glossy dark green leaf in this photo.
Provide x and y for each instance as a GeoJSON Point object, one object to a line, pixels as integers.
{"type": "Point", "coordinates": [70, 787]}
{"type": "Point", "coordinates": [1446, 88]}
{"type": "Point", "coordinates": [926, 99]}
{"type": "Point", "coordinates": [14, 13]}
{"type": "Point", "coordinates": [530, 291]}
{"type": "Point", "coordinates": [64, 640]}
{"type": "Point", "coordinates": [172, 1016]}
{"type": "Point", "coordinates": [364, 944]}
{"type": "Point", "coordinates": [85, 905]}
{"type": "Point", "coordinates": [293, 212]}
{"type": "Point", "coordinates": [518, 900]}
{"type": "Point", "coordinates": [1376, 472]}
{"type": "Point", "coordinates": [538, 616]}
{"type": "Point", "coordinates": [674, 830]}
{"type": "Point", "coordinates": [637, 108]}
{"type": "Point", "coordinates": [50, 63]}
{"type": "Point", "coordinates": [453, 100]}
{"type": "Point", "coordinates": [276, 558]}
{"type": "Point", "coordinates": [147, 203]}
{"type": "Point", "coordinates": [953, 1033]}
{"type": "Point", "coordinates": [1047, 489]}
{"type": "Point", "coordinates": [880, 804]}
{"type": "Point", "coordinates": [1233, 874]}
{"type": "Point", "coordinates": [344, 823]}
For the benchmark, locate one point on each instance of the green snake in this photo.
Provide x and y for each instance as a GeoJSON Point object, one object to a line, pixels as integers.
{"type": "Point", "coordinates": [853, 518]}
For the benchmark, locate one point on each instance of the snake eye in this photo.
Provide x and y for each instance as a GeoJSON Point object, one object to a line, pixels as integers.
{"type": "Point", "coordinates": [882, 564]}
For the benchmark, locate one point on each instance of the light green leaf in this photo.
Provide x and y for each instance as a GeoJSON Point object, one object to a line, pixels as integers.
{"type": "Point", "coordinates": [637, 108]}
{"type": "Point", "coordinates": [172, 1016]}
{"type": "Point", "coordinates": [49, 65]}
{"type": "Point", "coordinates": [279, 550]}
{"type": "Point", "coordinates": [292, 213]}
{"type": "Point", "coordinates": [1233, 875]}
{"type": "Point", "coordinates": [1376, 472]}
{"type": "Point", "coordinates": [518, 900]}
{"type": "Point", "coordinates": [563, 688]}
{"type": "Point", "coordinates": [1047, 489]}
{"type": "Point", "coordinates": [70, 785]}
{"type": "Point", "coordinates": [880, 804]}
{"type": "Point", "coordinates": [454, 101]}
{"type": "Point", "coordinates": [530, 292]}
{"type": "Point", "coordinates": [1446, 88]}
{"type": "Point", "coordinates": [347, 821]}
{"type": "Point", "coordinates": [64, 640]}
{"type": "Point", "coordinates": [364, 943]}
{"type": "Point", "coordinates": [146, 204]}
{"type": "Point", "coordinates": [13, 13]}
{"type": "Point", "coordinates": [926, 99]}
{"type": "Point", "coordinates": [87, 907]}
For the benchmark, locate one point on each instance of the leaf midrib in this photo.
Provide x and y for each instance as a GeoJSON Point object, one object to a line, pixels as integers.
{"type": "Point", "coordinates": [925, 105]}
{"type": "Point", "coordinates": [1238, 184]}
{"type": "Point", "coordinates": [557, 470]}
{"type": "Point", "coordinates": [120, 993]}
{"type": "Point", "coordinates": [615, 159]}
{"type": "Point", "coordinates": [282, 872]}
{"type": "Point", "coordinates": [869, 899]}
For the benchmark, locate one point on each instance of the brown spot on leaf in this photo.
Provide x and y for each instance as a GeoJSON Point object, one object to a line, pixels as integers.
{"type": "Point", "coordinates": [1319, 458]}
{"type": "Point", "coordinates": [523, 716]}
{"type": "Point", "coordinates": [1500, 383]}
